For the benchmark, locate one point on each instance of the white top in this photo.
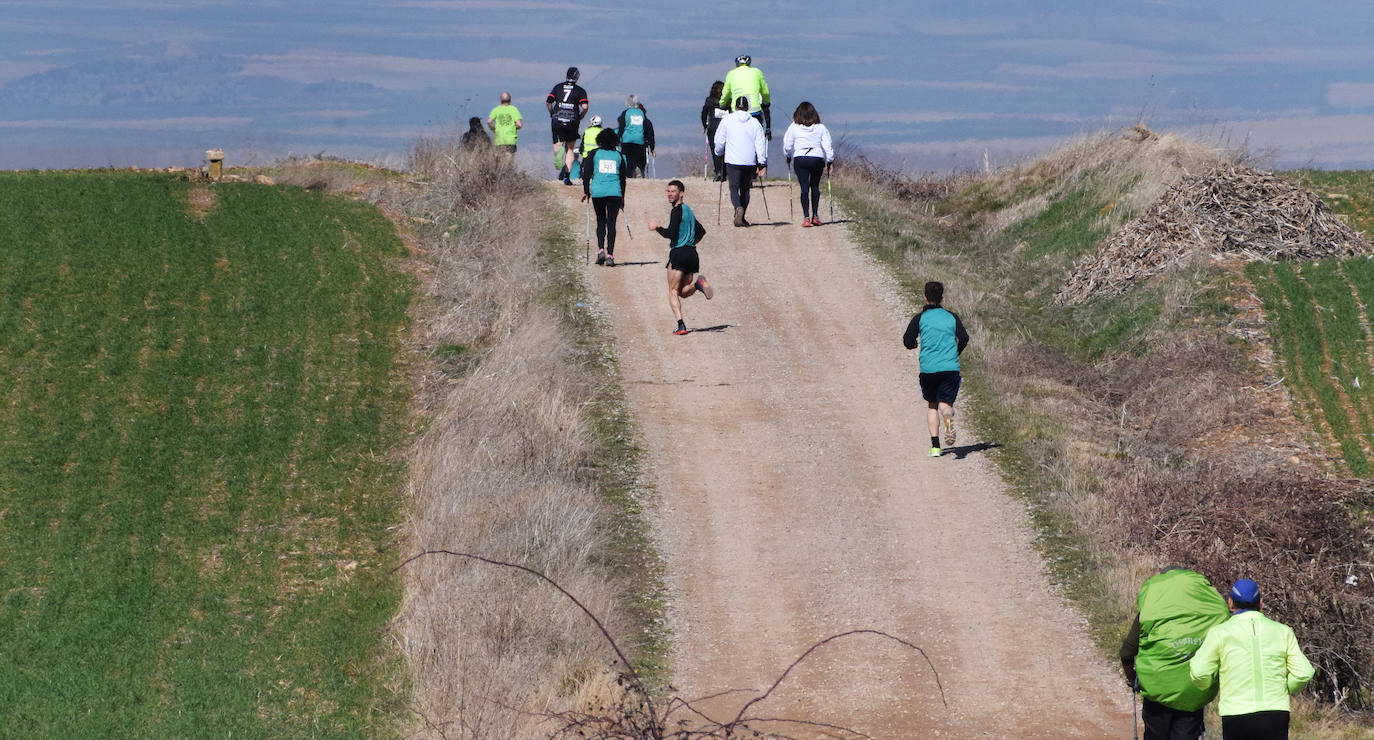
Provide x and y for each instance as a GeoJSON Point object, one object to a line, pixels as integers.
{"type": "Point", "coordinates": [808, 141]}
{"type": "Point", "coordinates": [740, 138]}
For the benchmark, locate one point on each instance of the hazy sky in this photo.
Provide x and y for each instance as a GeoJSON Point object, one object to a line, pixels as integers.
{"type": "Point", "coordinates": [920, 85]}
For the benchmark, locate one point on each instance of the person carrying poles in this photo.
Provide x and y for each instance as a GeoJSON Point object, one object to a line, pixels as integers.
{"type": "Point", "coordinates": [1175, 608]}
{"type": "Point", "coordinates": [603, 180]}
{"type": "Point", "coordinates": [1257, 664]}
{"type": "Point", "coordinates": [747, 82]}
{"type": "Point", "coordinates": [505, 123]}
{"type": "Point", "coordinates": [942, 338]}
{"type": "Point", "coordinates": [682, 232]}
{"type": "Point", "coordinates": [567, 104]}
{"type": "Point", "coordinates": [636, 133]}
{"type": "Point", "coordinates": [808, 150]}
{"type": "Point", "coordinates": [741, 142]}
{"type": "Point", "coordinates": [712, 113]}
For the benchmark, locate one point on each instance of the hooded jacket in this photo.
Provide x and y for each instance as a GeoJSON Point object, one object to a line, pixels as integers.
{"type": "Point", "coordinates": [740, 139]}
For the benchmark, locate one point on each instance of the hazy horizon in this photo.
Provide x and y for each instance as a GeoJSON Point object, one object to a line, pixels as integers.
{"type": "Point", "coordinates": [926, 86]}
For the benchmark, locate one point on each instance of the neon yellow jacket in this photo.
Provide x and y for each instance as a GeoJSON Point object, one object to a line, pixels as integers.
{"type": "Point", "coordinates": [589, 140]}
{"type": "Point", "coordinates": [1258, 660]}
{"type": "Point", "coordinates": [747, 81]}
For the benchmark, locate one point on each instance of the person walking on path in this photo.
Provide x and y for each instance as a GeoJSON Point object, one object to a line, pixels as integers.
{"type": "Point", "coordinates": [683, 232]}
{"type": "Point", "coordinates": [589, 136]}
{"type": "Point", "coordinates": [603, 180]}
{"type": "Point", "coordinates": [1175, 610]}
{"type": "Point", "coordinates": [636, 134]}
{"type": "Point", "coordinates": [745, 81]}
{"type": "Point", "coordinates": [942, 338]}
{"type": "Point", "coordinates": [567, 104]}
{"type": "Point", "coordinates": [808, 150]}
{"type": "Point", "coordinates": [1257, 663]}
{"type": "Point", "coordinates": [475, 137]}
{"type": "Point", "coordinates": [740, 140]}
{"type": "Point", "coordinates": [712, 113]}
{"type": "Point", "coordinates": [505, 123]}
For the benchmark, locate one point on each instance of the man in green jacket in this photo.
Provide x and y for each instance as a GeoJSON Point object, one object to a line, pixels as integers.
{"type": "Point", "coordinates": [1176, 608]}
{"type": "Point", "coordinates": [1259, 664]}
{"type": "Point", "coordinates": [748, 82]}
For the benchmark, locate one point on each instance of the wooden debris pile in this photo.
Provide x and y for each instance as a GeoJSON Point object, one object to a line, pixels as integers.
{"type": "Point", "coordinates": [1231, 211]}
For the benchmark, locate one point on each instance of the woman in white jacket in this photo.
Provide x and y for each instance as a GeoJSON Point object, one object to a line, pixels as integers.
{"type": "Point", "coordinates": [809, 152]}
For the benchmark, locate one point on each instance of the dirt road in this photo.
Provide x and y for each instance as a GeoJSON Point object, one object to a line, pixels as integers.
{"type": "Point", "coordinates": [786, 439]}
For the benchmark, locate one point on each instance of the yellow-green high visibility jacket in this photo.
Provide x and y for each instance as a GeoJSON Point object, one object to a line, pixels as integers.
{"type": "Point", "coordinates": [589, 140]}
{"type": "Point", "coordinates": [747, 81]}
{"type": "Point", "coordinates": [1258, 660]}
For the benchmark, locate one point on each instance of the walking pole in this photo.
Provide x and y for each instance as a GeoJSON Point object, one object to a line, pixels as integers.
{"type": "Point", "coordinates": [589, 231]}
{"type": "Point", "coordinates": [626, 214]}
{"type": "Point", "coordinates": [764, 193]}
{"type": "Point", "coordinates": [789, 193]}
{"type": "Point", "coordinates": [706, 159]}
{"type": "Point", "coordinates": [830, 196]}
{"type": "Point", "coordinates": [653, 166]}
{"type": "Point", "coordinates": [720, 187]}
{"type": "Point", "coordinates": [1135, 717]}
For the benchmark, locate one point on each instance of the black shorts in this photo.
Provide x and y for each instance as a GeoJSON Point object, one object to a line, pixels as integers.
{"type": "Point", "coordinates": [565, 133]}
{"type": "Point", "coordinates": [942, 387]}
{"type": "Point", "coordinates": [684, 259]}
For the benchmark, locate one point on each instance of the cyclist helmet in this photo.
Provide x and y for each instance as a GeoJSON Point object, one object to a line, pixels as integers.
{"type": "Point", "coordinates": [742, 59]}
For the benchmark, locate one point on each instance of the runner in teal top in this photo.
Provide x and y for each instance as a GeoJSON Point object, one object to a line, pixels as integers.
{"type": "Point", "coordinates": [683, 232]}
{"type": "Point", "coordinates": [942, 338]}
{"type": "Point", "coordinates": [603, 180]}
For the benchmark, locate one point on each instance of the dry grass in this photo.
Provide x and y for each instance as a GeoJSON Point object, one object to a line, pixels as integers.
{"type": "Point", "coordinates": [1114, 414]}
{"type": "Point", "coordinates": [504, 467]}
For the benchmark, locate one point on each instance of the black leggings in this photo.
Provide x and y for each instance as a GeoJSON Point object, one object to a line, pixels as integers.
{"type": "Point", "coordinates": [635, 157]}
{"type": "Point", "coordinates": [741, 179]}
{"type": "Point", "coordinates": [809, 171]}
{"type": "Point", "coordinates": [607, 208]}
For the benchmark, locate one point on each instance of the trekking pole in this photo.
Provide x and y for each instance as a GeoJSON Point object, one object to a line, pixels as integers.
{"type": "Point", "coordinates": [1135, 717]}
{"type": "Point", "coordinates": [789, 193]}
{"type": "Point", "coordinates": [706, 159]}
{"type": "Point", "coordinates": [626, 214]}
{"type": "Point", "coordinates": [720, 187]}
{"type": "Point", "coordinates": [830, 196]}
{"type": "Point", "coordinates": [764, 193]}
{"type": "Point", "coordinates": [589, 232]}
{"type": "Point", "coordinates": [653, 166]}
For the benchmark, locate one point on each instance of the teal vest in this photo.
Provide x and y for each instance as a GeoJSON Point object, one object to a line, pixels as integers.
{"type": "Point", "coordinates": [939, 347]}
{"type": "Point", "coordinates": [687, 233]}
{"type": "Point", "coordinates": [634, 126]}
{"type": "Point", "coordinates": [1176, 610]}
{"type": "Point", "coordinates": [606, 167]}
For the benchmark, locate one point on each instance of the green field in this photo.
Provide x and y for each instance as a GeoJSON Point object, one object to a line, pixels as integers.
{"type": "Point", "coordinates": [196, 413]}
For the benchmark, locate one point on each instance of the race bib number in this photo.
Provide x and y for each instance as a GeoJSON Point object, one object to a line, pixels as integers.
{"type": "Point", "coordinates": [606, 166]}
{"type": "Point", "coordinates": [637, 120]}
{"type": "Point", "coordinates": [720, 112]}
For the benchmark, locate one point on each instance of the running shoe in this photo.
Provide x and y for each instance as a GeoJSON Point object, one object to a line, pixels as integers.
{"type": "Point", "coordinates": [680, 330]}
{"type": "Point", "coordinates": [815, 221]}
{"type": "Point", "coordinates": [806, 224]}
{"type": "Point", "coordinates": [949, 431]}
{"type": "Point", "coordinates": [600, 256]}
{"type": "Point", "coordinates": [610, 261]}
{"type": "Point", "coordinates": [935, 452]}
{"type": "Point", "coordinates": [705, 287]}
{"type": "Point", "coordinates": [739, 216]}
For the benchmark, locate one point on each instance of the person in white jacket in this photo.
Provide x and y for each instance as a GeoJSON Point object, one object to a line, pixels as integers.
{"type": "Point", "coordinates": [740, 139]}
{"type": "Point", "coordinates": [809, 152]}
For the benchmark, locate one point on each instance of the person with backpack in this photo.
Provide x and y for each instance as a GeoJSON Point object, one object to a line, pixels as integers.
{"type": "Point", "coordinates": [603, 180]}
{"type": "Point", "coordinates": [683, 232]}
{"type": "Point", "coordinates": [712, 113]}
{"type": "Point", "coordinates": [636, 133]}
{"type": "Point", "coordinates": [505, 123]}
{"type": "Point", "coordinates": [567, 104]}
{"type": "Point", "coordinates": [747, 82]}
{"type": "Point", "coordinates": [1175, 608]}
{"type": "Point", "coordinates": [745, 151]}
{"type": "Point", "coordinates": [1256, 663]}
{"type": "Point", "coordinates": [942, 338]}
{"type": "Point", "coordinates": [808, 150]}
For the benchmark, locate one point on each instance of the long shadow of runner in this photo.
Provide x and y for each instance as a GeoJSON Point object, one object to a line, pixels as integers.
{"type": "Point", "coordinates": [644, 262]}
{"type": "Point", "coordinates": [717, 327]}
{"type": "Point", "coordinates": [962, 452]}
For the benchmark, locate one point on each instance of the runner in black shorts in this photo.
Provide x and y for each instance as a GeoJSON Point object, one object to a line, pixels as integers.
{"type": "Point", "coordinates": [942, 338]}
{"type": "Point", "coordinates": [683, 232]}
{"type": "Point", "coordinates": [567, 104]}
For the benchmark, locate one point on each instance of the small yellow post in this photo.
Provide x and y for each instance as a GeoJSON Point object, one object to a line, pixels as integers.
{"type": "Point", "coordinates": [216, 158]}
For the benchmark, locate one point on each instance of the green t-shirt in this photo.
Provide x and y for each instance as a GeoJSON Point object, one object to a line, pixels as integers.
{"type": "Point", "coordinates": [503, 117]}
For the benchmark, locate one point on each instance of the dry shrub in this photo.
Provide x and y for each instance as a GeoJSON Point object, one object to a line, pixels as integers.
{"type": "Point", "coordinates": [501, 471]}
{"type": "Point", "coordinates": [1292, 531]}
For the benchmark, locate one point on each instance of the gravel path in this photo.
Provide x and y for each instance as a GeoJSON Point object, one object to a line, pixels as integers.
{"type": "Point", "coordinates": [786, 440]}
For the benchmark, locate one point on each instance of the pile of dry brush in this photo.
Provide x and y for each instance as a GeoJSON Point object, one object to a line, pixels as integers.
{"type": "Point", "coordinates": [1231, 211]}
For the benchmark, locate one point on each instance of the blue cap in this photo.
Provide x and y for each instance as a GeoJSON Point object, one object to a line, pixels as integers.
{"type": "Point", "coordinates": [1245, 591]}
